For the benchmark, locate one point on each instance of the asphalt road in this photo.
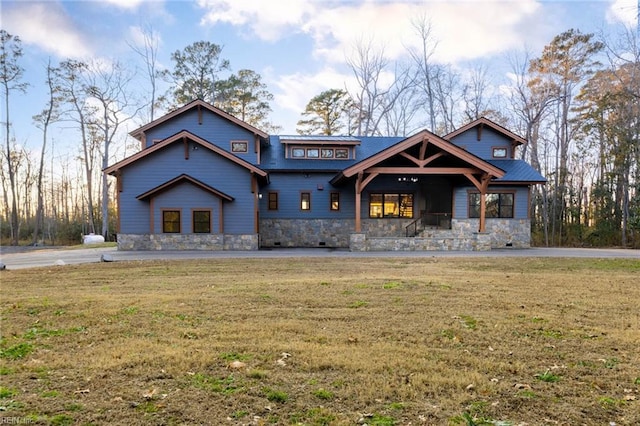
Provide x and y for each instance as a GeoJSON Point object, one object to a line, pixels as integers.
{"type": "Point", "coordinates": [47, 257]}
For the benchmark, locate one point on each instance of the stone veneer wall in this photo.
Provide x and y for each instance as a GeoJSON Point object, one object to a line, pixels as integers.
{"type": "Point", "coordinates": [376, 234]}
{"type": "Point", "coordinates": [324, 232]}
{"type": "Point", "coordinates": [502, 232]}
{"type": "Point", "coordinates": [305, 232]}
{"type": "Point", "coordinates": [187, 242]}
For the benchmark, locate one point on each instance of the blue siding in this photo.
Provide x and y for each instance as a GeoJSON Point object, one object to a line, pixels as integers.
{"type": "Point", "coordinates": [290, 185]}
{"type": "Point", "coordinates": [214, 129]}
{"type": "Point", "coordinates": [482, 148]}
{"type": "Point", "coordinates": [521, 201]}
{"type": "Point", "coordinates": [204, 165]}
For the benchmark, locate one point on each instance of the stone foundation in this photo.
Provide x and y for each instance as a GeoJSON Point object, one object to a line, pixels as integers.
{"type": "Point", "coordinates": [187, 242]}
{"type": "Point", "coordinates": [443, 242]}
{"type": "Point", "coordinates": [376, 235]}
{"type": "Point", "coordinates": [501, 233]}
{"type": "Point", "coordinates": [305, 232]}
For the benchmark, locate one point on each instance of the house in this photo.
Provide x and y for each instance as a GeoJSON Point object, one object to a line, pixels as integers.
{"type": "Point", "coordinates": [205, 180]}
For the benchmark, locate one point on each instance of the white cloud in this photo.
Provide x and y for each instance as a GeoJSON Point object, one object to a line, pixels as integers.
{"type": "Point", "coordinates": [465, 29]}
{"type": "Point", "coordinates": [47, 26]}
{"type": "Point", "coordinates": [125, 4]}
{"type": "Point", "coordinates": [267, 20]}
{"type": "Point", "coordinates": [625, 11]}
{"type": "Point", "coordinates": [460, 28]}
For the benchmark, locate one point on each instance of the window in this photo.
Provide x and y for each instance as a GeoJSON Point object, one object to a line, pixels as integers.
{"type": "Point", "coordinates": [499, 205]}
{"type": "Point", "coordinates": [342, 153]}
{"type": "Point", "coordinates": [499, 152]}
{"type": "Point", "coordinates": [319, 152]}
{"type": "Point", "coordinates": [202, 221]}
{"type": "Point", "coordinates": [335, 201]}
{"type": "Point", "coordinates": [305, 201]}
{"type": "Point", "coordinates": [385, 205]}
{"type": "Point", "coordinates": [273, 201]}
{"type": "Point", "coordinates": [171, 221]}
{"type": "Point", "coordinates": [239, 146]}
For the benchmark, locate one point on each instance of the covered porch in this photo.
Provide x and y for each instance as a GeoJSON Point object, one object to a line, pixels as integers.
{"type": "Point", "coordinates": [430, 168]}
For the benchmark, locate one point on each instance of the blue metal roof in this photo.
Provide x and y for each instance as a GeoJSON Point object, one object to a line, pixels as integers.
{"type": "Point", "coordinates": [517, 171]}
{"type": "Point", "coordinates": [273, 157]}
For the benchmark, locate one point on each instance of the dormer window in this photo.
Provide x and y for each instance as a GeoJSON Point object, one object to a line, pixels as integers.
{"type": "Point", "coordinates": [499, 152]}
{"type": "Point", "coordinates": [320, 147]}
{"type": "Point", "coordinates": [323, 153]}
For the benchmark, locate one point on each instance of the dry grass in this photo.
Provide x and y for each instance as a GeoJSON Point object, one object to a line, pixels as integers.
{"type": "Point", "coordinates": [397, 341]}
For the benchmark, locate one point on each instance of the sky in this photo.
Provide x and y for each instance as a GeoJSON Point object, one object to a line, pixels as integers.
{"type": "Point", "coordinates": [299, 47]}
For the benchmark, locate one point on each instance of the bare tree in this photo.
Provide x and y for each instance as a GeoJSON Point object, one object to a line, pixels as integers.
{"type": "Point", "coordinates": [375, 97]}
{"type": "Point", "coordinates": [427, 71]}
{"type": "Point", "coordinates": [475, 93]}
{"type": "Point", "coordinates": [148, 51]}
{"type": "Point", "coordinates": [71, 75]}
{"type": "Point", "coordinates": [10, 75]}
{"type": "Point", "coordinates": [108, 86]}
{"type": "Point", "coordinates": [530, 102]}
{"type": "Point", "coordinates": [43, 120]}
{"type": "Point", "coordinates": [448, 97]}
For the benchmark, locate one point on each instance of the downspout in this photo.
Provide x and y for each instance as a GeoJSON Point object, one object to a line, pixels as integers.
{"type": "Point", "coordinates": [256, 203]}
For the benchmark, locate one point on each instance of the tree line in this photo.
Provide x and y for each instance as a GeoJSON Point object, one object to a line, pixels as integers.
{"type": "Point", "coordinates": [577, 103]}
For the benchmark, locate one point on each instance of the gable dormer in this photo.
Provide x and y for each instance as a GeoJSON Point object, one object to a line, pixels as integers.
{"type": "Point", "coordinates": [486, 139]}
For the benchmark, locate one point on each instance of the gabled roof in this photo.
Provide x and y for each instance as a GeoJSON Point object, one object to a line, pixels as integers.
{"type": "Point", "coordinates": [198, 103]}
{"type": "Point", "coordinates": [181, 179]}
{"type": "Point", "coordinates": [421, 137]}
{"type": "Point", "coordinates": [483, 121]}
{"type": "Point", "coordinates": [179, 137]}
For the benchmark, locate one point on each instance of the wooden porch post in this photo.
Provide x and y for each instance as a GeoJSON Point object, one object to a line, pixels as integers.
{"type": "Point", "coordinates": [358, 226]}
{"type": "Point", "coordinates": [484, 185]}
{"type": "Point", "coordinates": [483, 210]}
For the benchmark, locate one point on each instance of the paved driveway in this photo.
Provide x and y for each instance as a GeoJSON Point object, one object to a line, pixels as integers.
{"type": "Point", "coordinates": [31, 258]}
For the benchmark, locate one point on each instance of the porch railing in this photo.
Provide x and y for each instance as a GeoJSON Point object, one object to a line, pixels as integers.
{"type": "Point", "coordinates": [428, 221]}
